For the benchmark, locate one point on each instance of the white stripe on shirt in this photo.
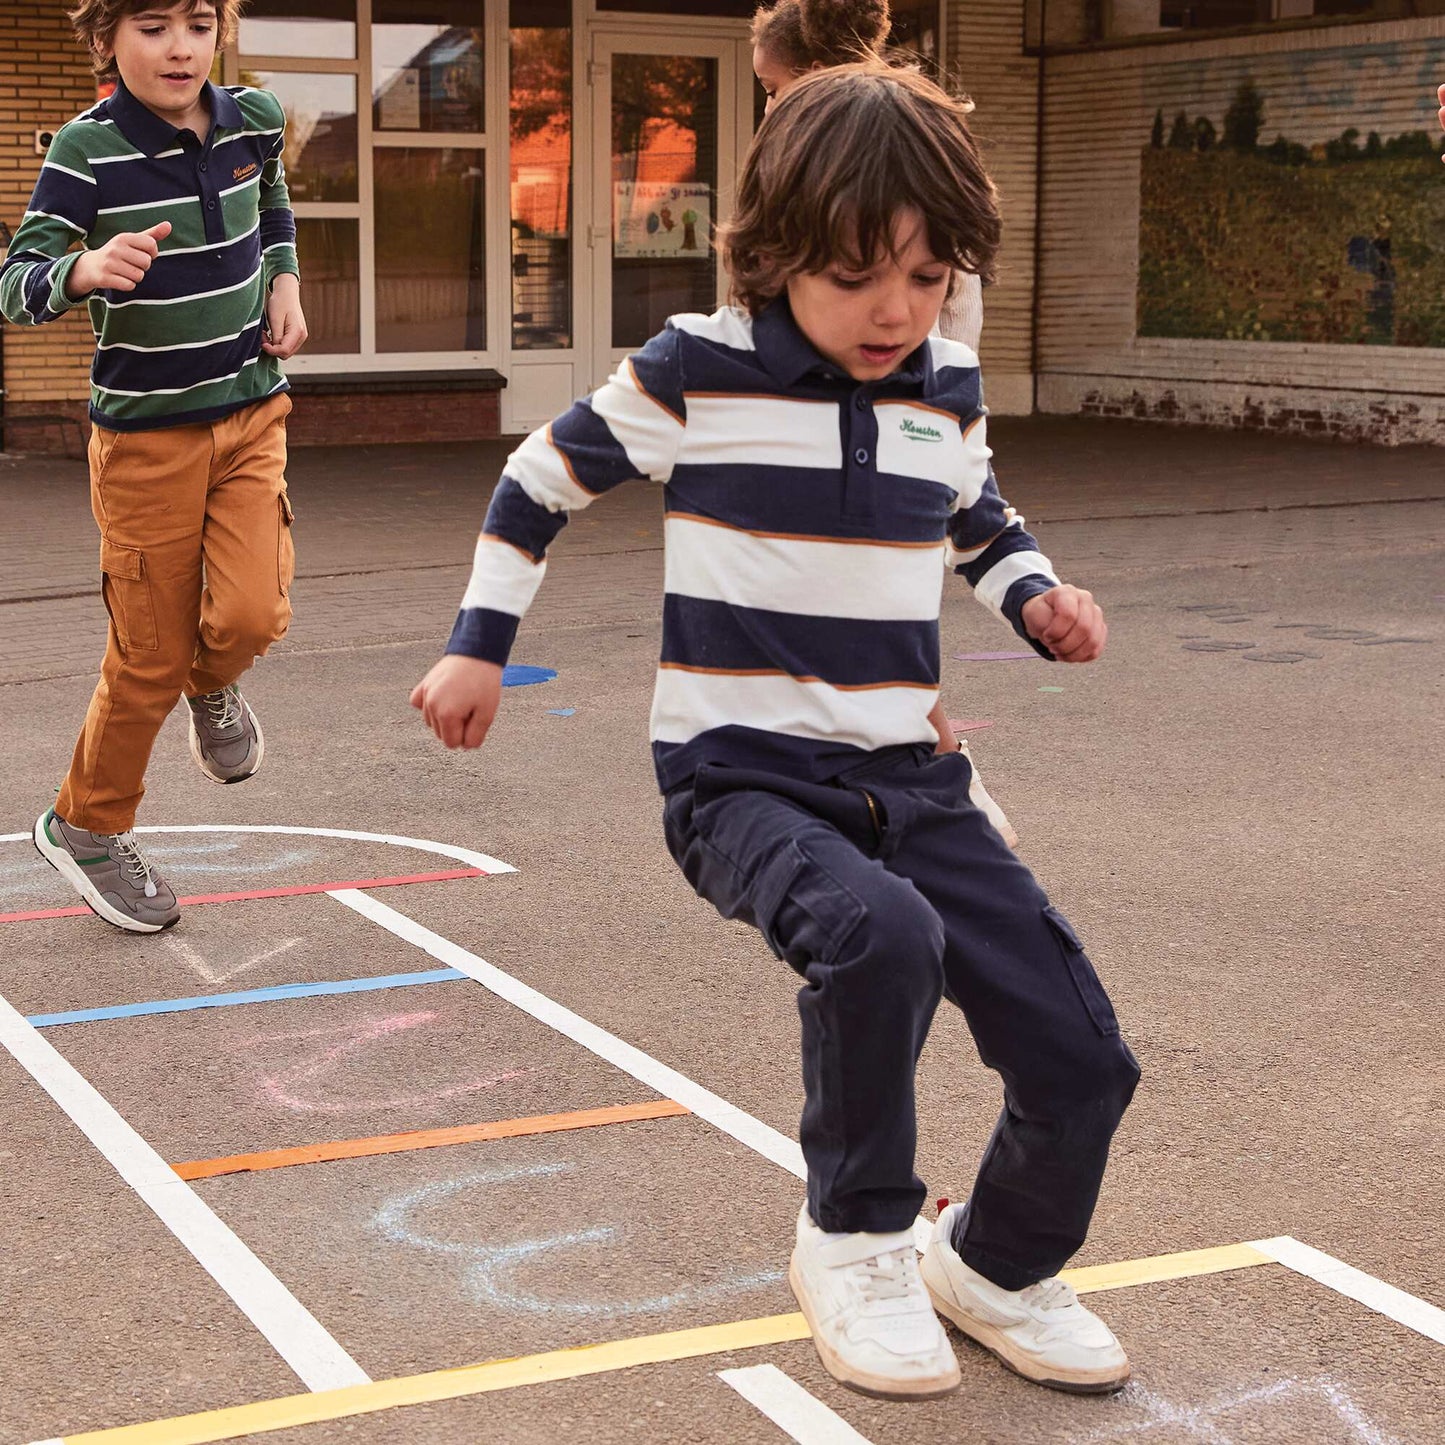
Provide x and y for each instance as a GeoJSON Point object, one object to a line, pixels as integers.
{"type": "Point", "coordinates": [864, 581]}
{"type": "Point", "coordinates": [687, 703]}
{"type": "Point", "coordinates": [993, 586]}
{"type": "Point", "coordinates": [762, 431]}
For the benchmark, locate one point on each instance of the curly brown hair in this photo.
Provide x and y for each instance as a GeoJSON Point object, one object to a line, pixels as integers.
{"type": "Point", "coordinates": [94, 23]}
{"type": "Point", "coordinates": [802, 34]}
{"type": "Point", "coordinates": [838, 159]}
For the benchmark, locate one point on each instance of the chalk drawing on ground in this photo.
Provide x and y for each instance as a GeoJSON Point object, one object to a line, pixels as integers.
{"type": "Point", "coordinates": [489, 1270]}
{"type": "Point", "coordinates": [190, 955]}
{"type": "Point", "coordinates": [311, 1085]}
{"type": "Point", "coordinates": [1163, 1419]}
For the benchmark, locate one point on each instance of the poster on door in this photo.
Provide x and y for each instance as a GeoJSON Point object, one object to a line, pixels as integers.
{"type": "Point", "coordinates": [659, 221]}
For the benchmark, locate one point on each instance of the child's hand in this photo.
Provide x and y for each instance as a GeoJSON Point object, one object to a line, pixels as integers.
{"type": "Point", "coordinates": [459, 698]}
{"type": "Point", "coordinates": [119, 265]}
{"type": "Point", "coordinates": [1068, 622]}
{"type": "Point", "coordinates": [285, 325]}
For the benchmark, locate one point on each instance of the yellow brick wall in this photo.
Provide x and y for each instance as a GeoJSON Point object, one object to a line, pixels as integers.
{"type": "Point", "coordinates": [984, 56]}
{"type": "Point", "coordinates": [44, 81]}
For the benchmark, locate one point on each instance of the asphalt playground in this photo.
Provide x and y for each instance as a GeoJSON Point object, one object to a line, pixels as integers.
{"type": "Point", "coordinates": [448, 1114]}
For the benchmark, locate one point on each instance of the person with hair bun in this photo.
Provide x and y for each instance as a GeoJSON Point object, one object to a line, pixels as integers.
{"type": "Point", "coordinates": [791, 39]}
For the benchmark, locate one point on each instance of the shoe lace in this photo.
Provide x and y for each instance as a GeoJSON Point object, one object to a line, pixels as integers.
{"type": "Point", "coordinates": [135, 863]}
{"type": "Point", "coordinates": [1050, 1294]}
{"type": "Point", "coordinates": [891, 1276]}
{"type": "Point", "coordinates": [224, 707]}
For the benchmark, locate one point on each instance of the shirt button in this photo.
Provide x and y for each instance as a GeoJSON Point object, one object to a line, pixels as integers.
{"type": "Point", "coordinates": [861, 402]}
{"type": "Point", "coordinates": [203, 165]}
{"type": "Point", "coordinates": [861, 457]}
{"type": "Point", "coordinates": [210, 205]}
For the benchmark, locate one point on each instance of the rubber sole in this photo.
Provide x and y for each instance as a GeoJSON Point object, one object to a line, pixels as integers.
{"type": "Point", "coordinates": [75, 875]}
{"type": "Point", "coordinates": [880, 1387]}
{"type": "Point", "coordinates": [200, 758]}
{"type": "Point", "coordinates": [997, 1344]}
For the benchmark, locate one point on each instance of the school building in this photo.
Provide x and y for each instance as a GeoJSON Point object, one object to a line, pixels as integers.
{"type": "Point", "coordinates": [1219, 211]}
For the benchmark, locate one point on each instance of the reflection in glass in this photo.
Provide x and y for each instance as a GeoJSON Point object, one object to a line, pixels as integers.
{"type": "Point", "coordinates": [430, 249]}
{"type": "Point", "coordinates": [664, 191]}
{"type": "Point", "coordinates": [328, 252]}
{"type": "Point", "coordinates": [541, 175]}
{"type": "Point", "coordinates": [324, 29]}
{"type": "Point", "coordinates": [427, 66]}
{"type": "Point", "coordinates": [320, 150]}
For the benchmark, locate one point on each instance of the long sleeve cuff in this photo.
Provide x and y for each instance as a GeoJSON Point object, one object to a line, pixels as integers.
{"type": "Point", "coordinates": [1013, 608]}
{"type": "Point", "coordinates": [279, 260]}
{"type": "Point", "coordinates": [58, 303]}
{"type": "Point", "coordinates": [484, 633]}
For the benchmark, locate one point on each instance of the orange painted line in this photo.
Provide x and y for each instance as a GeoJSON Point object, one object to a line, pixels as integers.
{"type": "Point", "coordinates": [429, 1139]}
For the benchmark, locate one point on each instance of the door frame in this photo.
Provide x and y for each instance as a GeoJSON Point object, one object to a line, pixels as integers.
{"type": "Point", "coordinates": [726, 43]}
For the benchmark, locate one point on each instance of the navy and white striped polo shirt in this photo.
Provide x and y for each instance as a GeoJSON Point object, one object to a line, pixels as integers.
{"type": "Point", "coordinates": [809, 522]}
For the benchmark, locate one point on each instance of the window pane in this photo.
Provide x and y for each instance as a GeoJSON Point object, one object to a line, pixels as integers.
{"type": "Point", "coordinates": [426, 70]}
{"type": "Point", "coordinates": [320, 151]}
{"type": "Point", "coordinates": [330, 291]}
{"type": "Point", "coordinates": [541, 178]}
{"type": "Point", "coordinates": [664, 191]}
{"type": "Point", "coordinates": [311, 28]}
{"type": "Point", "coordinates": [431, 278]}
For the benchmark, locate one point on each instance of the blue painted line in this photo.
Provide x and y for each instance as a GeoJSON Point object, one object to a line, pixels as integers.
{"type": "Point", "coordinates": [521, 674]}
{"type": "Point", "coordinates": [252, 995]}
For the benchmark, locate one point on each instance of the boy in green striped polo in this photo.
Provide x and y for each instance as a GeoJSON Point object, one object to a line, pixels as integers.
{"type": "Point", "coordinates": [176, 192]}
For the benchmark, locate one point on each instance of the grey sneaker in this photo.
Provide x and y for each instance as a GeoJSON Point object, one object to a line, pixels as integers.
{"type": "Point", "coordinates": [110, 873]}
{"type": "Point", "coordinates": [226, 739]}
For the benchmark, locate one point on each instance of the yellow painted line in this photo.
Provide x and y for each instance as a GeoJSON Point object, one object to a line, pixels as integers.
{"type": "Point", "coordinates": [1188, 1265]}
{"type": "Point", "coordinates": [311, 1409]}
{"type": "Point", "coordinates": [324, 1405]}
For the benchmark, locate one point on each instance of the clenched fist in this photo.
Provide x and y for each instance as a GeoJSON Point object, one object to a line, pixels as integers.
{"type": "Point", "coordinates": [119, 265]}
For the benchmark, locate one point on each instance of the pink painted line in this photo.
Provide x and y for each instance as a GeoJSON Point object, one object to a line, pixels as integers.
{"type": "Point", "coordinates": [394, 882]}
{"type": "Point", "coordinates": [967, 725]}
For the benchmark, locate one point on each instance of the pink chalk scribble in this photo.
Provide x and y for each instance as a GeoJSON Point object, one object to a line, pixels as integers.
{"type": "Point", "coordinates": [287, 1090]}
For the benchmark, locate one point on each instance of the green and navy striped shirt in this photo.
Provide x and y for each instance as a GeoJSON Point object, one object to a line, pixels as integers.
{"type": "Point", "coordinates": [185, 345]}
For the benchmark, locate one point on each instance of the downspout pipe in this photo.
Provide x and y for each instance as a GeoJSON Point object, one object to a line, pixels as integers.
{"type": "Point", "coordinates": [1036, 309]}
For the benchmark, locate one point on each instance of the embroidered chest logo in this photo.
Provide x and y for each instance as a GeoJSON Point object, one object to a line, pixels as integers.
{"type": "Point", "coordinates": [242, 173]}
{"type": "Point", "coordinates": [917, 432]}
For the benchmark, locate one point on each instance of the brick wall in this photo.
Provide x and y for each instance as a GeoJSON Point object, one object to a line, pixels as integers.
{"type": "Point", "coordinates": [985, 59]}
{"type": "Point", "coordinates": [45, 80]}
{"type": "Point", "coordinates": [1100, 106]}
{"type": "Point", "coordinates": [393, 417]}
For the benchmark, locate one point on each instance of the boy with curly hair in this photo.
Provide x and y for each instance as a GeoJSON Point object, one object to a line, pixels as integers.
{"type": "Point", "coordinates": [175, 190]}
{"type": "Point", "coordinates": [823, 460]}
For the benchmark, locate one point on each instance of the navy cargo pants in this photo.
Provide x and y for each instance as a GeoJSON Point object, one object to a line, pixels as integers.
{"type": "Point", "coordinates": [886, 889]}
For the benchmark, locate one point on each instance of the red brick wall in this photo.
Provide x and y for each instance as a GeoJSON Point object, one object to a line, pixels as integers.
{"type": "Point", "coordinates": [45, 80]}
{"type": "Point", "coordinates": [394, 417]}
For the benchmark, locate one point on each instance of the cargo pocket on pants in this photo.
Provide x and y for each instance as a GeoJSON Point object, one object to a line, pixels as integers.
{"type": "Point", "coordinates": [285, 547]}
{"type": "Point", "coordinates": [127, 592]}
{"type": "Point", "coordinates": [805, 914]}
{"type": "Point", "coordinates": [1091, 991]}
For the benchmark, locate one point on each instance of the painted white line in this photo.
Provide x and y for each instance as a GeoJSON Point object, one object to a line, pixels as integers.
{"type": "Point", "coordinates": [447, 850]}
{"type": "Point", "coordinates": [759, 1137]}
{"type": "Point", "coordinates": [790, 1407]}
{"type": "Point", "coordinates": [1405, 1309]}
{"type": "Point", "coordinates": [296, 1335]}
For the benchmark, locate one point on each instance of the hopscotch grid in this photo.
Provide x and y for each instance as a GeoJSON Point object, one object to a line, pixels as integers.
{"type": "Point", "coordinates": [1380, 1297]}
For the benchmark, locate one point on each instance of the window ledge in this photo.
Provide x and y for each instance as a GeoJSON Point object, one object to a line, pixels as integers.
{"type": "Point", "coordinates": [344, 383]}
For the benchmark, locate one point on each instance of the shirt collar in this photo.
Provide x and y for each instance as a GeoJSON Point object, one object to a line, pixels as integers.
{"type": "Point", "coordinates": [149, 133]}
{"type": "Point", "coordinates": [789, 356]}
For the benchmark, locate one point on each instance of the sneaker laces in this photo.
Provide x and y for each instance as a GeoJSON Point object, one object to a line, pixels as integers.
{"type": "Point", "coordinates": [224, 707]}
{"type": "Point", "coordinates": [134, 862]}
{"type": "Point", "coordinates": [891, 1276]}
{"type": "Point", "coordinates": [1050, 1294]}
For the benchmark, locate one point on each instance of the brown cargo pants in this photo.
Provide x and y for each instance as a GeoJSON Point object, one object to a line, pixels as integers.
{"type": "Point", "coordinates": [196, 565]}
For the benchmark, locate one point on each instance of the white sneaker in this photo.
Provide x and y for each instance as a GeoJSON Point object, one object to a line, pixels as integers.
{"type": "Point", "coordinates": [873, 1326]}
{"type": "Point", "coordinates": [981, 799]}
{"type": "Point", "coordinates": [1042, 1333]}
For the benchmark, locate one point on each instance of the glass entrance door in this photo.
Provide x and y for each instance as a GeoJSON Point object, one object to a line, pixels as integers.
{"type": "Point", "coordinates": [666, 141]}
